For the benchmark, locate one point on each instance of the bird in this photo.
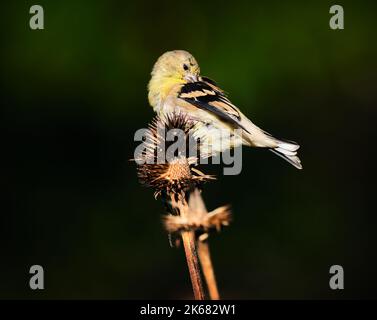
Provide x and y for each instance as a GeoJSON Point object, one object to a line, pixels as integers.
{"type": "Point", "coordinates": [176, 85]}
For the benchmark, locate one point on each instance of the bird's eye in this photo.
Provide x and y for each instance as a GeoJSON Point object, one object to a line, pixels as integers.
{"type": "Point", "coordinates": [185, 67]}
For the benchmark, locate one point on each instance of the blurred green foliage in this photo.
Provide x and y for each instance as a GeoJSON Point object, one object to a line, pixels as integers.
{"type": "Point", "coordinates": [74, 93]}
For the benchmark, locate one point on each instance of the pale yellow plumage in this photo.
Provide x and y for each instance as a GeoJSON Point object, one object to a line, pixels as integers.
{"type": "Point", "coordinates": [176, 85]}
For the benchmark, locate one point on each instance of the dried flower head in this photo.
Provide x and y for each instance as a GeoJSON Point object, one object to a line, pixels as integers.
{"type": "Point", "coordinates": [197, 220]}
{"type": "Point", "coordinates": [171, 151]}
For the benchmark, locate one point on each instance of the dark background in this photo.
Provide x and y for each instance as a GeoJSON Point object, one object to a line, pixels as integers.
{"type": "Point", "coordinates": [74, 93]}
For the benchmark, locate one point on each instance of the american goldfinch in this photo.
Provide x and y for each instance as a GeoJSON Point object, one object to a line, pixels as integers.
{"type": "Point", "coordinates": [177, 86]}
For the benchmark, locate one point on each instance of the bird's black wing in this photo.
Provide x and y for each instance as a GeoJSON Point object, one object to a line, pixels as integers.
{"type": "Point", "coordinates": [207, 96]}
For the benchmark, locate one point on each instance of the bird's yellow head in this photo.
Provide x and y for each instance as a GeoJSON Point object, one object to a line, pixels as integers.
{"type": "Point", "coordinates": [171, 69]}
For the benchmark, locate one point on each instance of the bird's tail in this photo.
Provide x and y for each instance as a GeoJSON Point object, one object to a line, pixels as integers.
{"type": "Point", "coordinates": [257, 137]}
{"type": "Point", "coordinates": [288, 151]}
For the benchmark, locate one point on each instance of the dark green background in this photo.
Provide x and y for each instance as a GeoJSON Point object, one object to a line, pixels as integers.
{"type": "Point", "coordinates": [74, 93]}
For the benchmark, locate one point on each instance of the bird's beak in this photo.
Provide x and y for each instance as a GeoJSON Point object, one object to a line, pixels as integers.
{"type": "Point", "coordinates": [190, 77]}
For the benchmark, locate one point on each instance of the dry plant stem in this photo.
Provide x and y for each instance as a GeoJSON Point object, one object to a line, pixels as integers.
{"type": "Point", "coordinates": [207, 267]}
{"type": "Point", "coordinates": [196, 203]}
{"type": "Point", "coordinates": [189, 243]}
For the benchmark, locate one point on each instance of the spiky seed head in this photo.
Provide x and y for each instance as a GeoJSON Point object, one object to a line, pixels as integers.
{"type": "Point", "coordinates": [176, 175]}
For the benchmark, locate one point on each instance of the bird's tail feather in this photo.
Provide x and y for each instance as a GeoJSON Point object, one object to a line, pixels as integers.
{"type": "Point", "coordinates": [255, 136]}
{"type": "Point", "coordinates": [288, 151]}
